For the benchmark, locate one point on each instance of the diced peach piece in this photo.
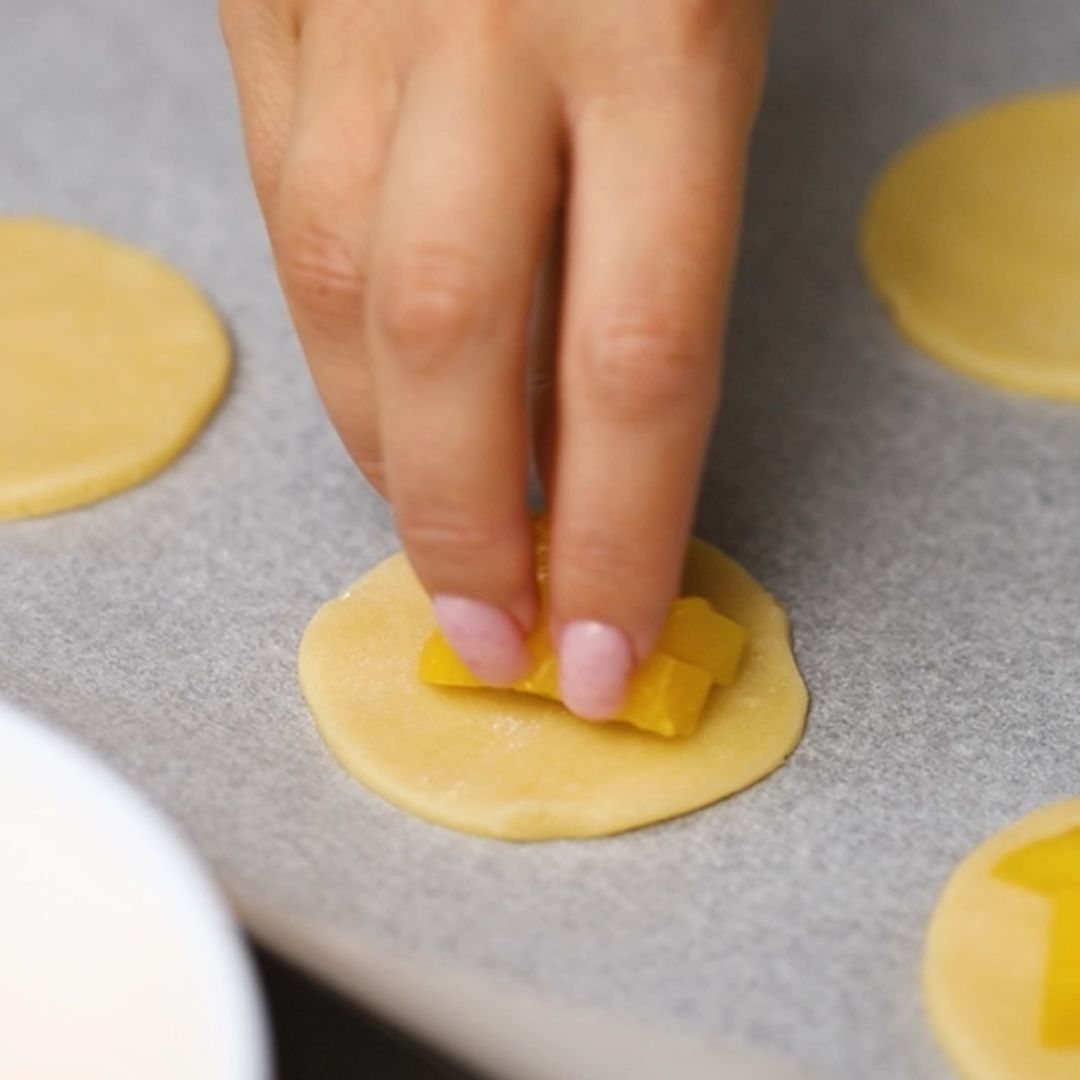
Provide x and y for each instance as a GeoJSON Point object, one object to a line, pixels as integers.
{"type": "Point", "coordinates": [666, 696]}
{"type": "Point", "coordinates": [698, 635]}
{"type": "Point", "coordinates": [1061, 1000]}
{"type": "Point", "coordinates": [441, 666]}
{"type": "Point", "coordinates": [1046, 866]}
{"type": "Point", "coordinates": [1051, 868]}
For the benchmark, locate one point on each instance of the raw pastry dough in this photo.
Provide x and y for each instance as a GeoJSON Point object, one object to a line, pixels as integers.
{"type": "Point", "coordinates": [513, 766]}
{"type": "Point", "coordinates": [972, 239]}
{"type": "Point", "coordinates": [986, 961]}
{"type": "Point", "coordinates": [110, 362]}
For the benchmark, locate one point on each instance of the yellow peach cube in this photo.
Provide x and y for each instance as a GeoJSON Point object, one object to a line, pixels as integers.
{"type": "Point", "coordinates": [698, 635]}
{"type": "Point", "coordinates": [1061, 999]}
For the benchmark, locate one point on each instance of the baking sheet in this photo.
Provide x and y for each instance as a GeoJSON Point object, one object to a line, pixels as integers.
{"type": "Point", "coordinates": [923, 531]}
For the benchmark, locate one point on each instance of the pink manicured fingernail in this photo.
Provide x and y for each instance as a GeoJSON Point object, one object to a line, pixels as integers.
{"type": "Point", "coordinates": [595, 661]}
{"type": "Point", "coordinates": [486, 638]}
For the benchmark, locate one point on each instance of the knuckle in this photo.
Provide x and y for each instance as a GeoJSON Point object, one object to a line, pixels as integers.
{"type": "Point", "coordinates": [241, 20]}
{"type": "Point", "coordinates": [600, 561]}
{"type": "Point", "coordinates": [430, 301]}
{"type": "Point", "coordinates": [695, 30]}
{"type": "Point", "coordinates": [688, 24]}
{"type": "Point", "coordinates": [322, 273]}
{"type": "Point", "coordinates": [374, 469]}
{"type": "Point", "coordinates": [749, 71]}
{"type": "Point", "coordinates": [691, 53]}
{"type": "Point", "coordinates": [432, 536]}
{"type": "Point", "coordinates": [228, 12]}
{"type": "Point", "coordinates": [542, 381]}
{"type": "Point", "coordinates": [643, 365]}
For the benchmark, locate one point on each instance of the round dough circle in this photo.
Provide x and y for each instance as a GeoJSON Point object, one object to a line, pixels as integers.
{"type": "Point", "coordinates": [111, 362]}
{"type": "Point", "coordinates": [504, 764]}
{"type": "Point", "coordinates": [985, 962]}
{"type": "Point", "coordinates": [972, 239]}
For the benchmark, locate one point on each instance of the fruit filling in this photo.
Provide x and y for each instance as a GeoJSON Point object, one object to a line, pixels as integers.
{"type": "Point", "coordinates": [1051, 868]}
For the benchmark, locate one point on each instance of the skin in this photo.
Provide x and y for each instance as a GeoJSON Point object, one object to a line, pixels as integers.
{"type": "Point", "coordinates": [421, 165]}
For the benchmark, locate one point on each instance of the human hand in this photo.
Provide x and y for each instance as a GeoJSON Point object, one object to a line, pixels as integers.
{"type": "Point", "coordinates": [410, 158]}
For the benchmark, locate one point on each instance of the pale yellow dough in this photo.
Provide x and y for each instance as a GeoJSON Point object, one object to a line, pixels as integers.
{"type": "Point", "coordinates": [972, 239]}
{"type": "Point", "coordinates": [110, 362]}
{"type": "Point", "coordinates": [512, 766]}
{"type": "Point", "coordinates": [986, 960]}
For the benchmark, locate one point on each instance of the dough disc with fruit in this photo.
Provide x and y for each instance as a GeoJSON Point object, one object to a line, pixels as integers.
{"type": "Point", "coordinates": [110, 362]}
{"type": "Point", "coordinates": [972, 239]}
{"type": "Point", "coordinates": [509, 765]}
{"type": "Point", "coordinates": [987, 956]}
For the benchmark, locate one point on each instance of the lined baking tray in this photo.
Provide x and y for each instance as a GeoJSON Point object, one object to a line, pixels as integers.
{"type": "Point", "coordinates": [923, 532]}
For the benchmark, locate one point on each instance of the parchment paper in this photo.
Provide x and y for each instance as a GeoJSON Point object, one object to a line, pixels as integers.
{"type": "Point", "coordinates": [923, 531]}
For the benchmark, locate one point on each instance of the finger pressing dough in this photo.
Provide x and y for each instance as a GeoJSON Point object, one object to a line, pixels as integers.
{"type": "Point", "coordinates": [987, 954]}
{"type": "Point", "coordinates": [972, 239]}
{"type": "Point", "coordinates": [518, 767]}
{"type": "Point", "coordinates": [110, 362]}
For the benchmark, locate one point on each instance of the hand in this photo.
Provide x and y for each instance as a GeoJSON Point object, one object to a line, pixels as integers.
{"type": "Point", "coordinates": [411, 158]}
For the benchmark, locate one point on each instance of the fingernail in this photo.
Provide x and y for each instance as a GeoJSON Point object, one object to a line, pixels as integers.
{"type": "Point", "coordinates": [487, 639]}
{"type": "Point", "coordinates": [595, 661]}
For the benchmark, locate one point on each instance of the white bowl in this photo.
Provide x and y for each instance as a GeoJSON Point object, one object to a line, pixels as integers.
{"type": "Point", "coordinates": [118, 958]}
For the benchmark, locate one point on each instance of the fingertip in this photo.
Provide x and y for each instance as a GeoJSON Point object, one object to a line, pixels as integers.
{"type": "Point", "coordinates": [489, 640]}
{"type": "Point", "coordinates": [609, 598]}
{"type": "Point", "coordinates": [595, 664]}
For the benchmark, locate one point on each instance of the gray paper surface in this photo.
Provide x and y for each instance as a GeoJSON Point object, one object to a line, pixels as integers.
{"type": "Point", "coordinates": [922, 530]}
